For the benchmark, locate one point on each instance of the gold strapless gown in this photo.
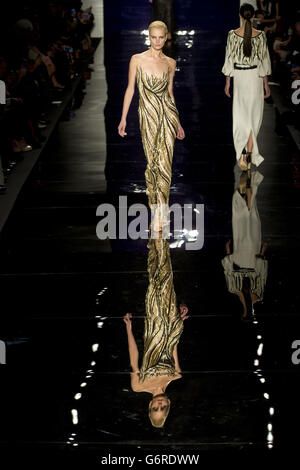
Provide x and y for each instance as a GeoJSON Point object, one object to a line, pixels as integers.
{"type": "Point", "coordinates": [159, 121]}
{"type": "Point", "coordinates": [163, 324]}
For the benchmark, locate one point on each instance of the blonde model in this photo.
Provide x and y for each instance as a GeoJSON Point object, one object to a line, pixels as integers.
{"type": "Point", "coordinates": [158, 115]}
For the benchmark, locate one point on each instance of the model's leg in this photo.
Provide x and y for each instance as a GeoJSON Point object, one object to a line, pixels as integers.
{"type": "Point", "coordinates": [250, 143]}
{"type": "Point", "coordinates": [243, 160]}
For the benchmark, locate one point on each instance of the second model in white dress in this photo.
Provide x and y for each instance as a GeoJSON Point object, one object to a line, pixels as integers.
{"type": "Point", "coordinates": [248, 89]}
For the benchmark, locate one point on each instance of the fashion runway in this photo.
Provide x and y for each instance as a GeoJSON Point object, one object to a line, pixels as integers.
{"type": "Point", "coordinates": [66, 388]}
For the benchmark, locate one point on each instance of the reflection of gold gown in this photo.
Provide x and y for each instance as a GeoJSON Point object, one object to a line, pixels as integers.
{"type": "Point", "coordinates": [163, 324]}
{"type": "Point", "coordinates": [159, 120]}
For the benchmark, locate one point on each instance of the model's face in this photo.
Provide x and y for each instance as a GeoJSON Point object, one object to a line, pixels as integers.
{"type": "Point", "coordinates": [159, 406]}
{"type": "Point", "coordinates": [157, 37]}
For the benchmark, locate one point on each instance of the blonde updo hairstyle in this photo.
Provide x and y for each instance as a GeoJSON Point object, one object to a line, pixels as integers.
{"type": "Point", "coordinates": [158, 24]}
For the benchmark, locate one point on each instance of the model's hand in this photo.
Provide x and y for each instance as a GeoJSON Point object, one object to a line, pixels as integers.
{"type": "Point", "coordinates": [227, 246]}
{"type": "Point", "coordinates": [121, 128]}
{"type": "Point", "coordinates": [227, 89]}
{"type": "Point", "coordinates": [180, 132]}
{"type": "Point", "coordinates": [127, 319]}
{"type": "Point", "coordinates": [267, 91]}
{"type": "Point", "coordinates": [264, 246]}
{"type": "Point", "coordinates": [183, 312]}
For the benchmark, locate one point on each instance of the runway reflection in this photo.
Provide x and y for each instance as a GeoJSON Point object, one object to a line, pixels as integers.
{"type": "Point", "coordinates": [245, 265]}
{"type": "Point", "coordinates": [162, 331]}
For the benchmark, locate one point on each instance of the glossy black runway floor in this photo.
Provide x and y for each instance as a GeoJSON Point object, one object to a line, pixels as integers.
{"type": "Point", "coordinates": [66, 385]}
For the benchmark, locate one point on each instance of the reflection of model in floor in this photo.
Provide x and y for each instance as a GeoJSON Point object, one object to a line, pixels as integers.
{"type": "Point", "coordinates": [163, 328]}
{"type": "Point", "coordinates": [246, 268]}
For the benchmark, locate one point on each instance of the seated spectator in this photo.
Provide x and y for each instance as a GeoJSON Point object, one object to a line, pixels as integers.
{"type": "Point", "coordinates": [280, 47]}
{"type": "Point", "coordinates": [48, 44]}
{"type": "Point", "coordinates": [295, 41]}
{"type": "Point", "coordinates": [270, 9]}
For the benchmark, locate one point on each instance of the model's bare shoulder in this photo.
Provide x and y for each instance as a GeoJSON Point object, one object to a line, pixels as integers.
{"type": "Point", "coordinates": [138, 59]}
{"type": "Point", "coordinates": [172, 63]}
{"type": "Point", "coordinates": [135, 61]}
{"type": "Point", "coordinates": [135, 58]}
{"type": "Point", "coordinates": [257, 32]}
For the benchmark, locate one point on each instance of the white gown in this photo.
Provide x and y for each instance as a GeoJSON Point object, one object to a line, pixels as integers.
{"type": "Point", "coordinates": [248, 89]}
{"type": "Point", "coordinates": [246, 229]}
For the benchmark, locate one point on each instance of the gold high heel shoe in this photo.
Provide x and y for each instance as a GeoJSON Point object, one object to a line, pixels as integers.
{"type": "Point", "coordinates": [248, 160]}
{"type": "Point", "coordinates": [243, 163]}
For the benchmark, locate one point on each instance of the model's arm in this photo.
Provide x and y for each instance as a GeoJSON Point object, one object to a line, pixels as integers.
{"type": "Point", "coordinates": [266, 87]}
{"type": "Point", "coordinates": [132, 347]}
{"type": "Point", "coordinates": [183, 312]}
{"type": "Point", "coordinates": [175, 355]}
{"type": "Point", "coordinates": [180, 131]}
{"type": "Point", "coordinates": [228, 247]}
{"type": "Point", "coordinates": [128, 95]}
{"type": "Point", "coordinates": [227, 86]}
{"type": "Point", "coordinates": [266, 65]}
{"type": "Point", "coordinates": [172, 73]}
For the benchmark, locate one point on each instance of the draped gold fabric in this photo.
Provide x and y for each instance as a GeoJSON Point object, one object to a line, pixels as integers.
{"type": "Point", "coordinates": [163, 324]}
{"type": "Point", "coordinates": [159, 120]}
